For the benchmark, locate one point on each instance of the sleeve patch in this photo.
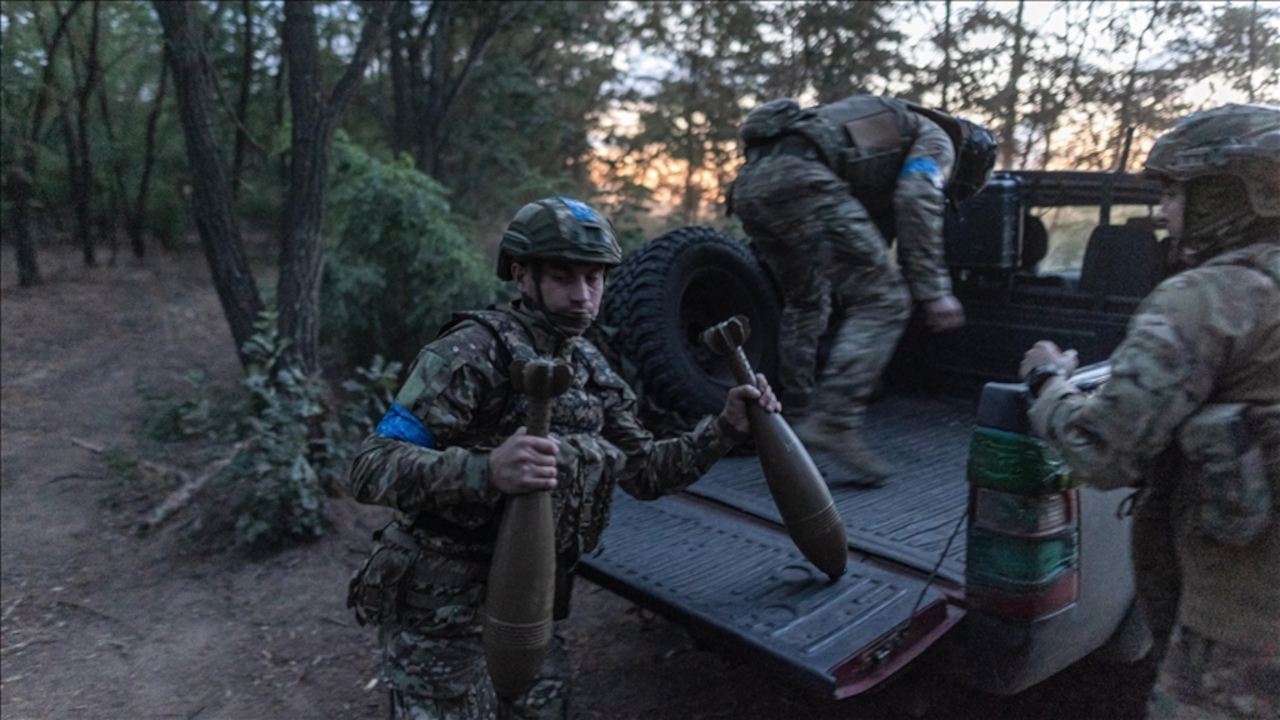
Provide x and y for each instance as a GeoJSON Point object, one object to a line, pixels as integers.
{"type": "Point", "coordinates": [400, 424]}
{"type": "Point", "coordinates": [926, 166]}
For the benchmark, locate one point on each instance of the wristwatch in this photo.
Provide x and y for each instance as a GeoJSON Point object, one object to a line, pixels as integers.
{"type": "Point", "coordinates": [1041, 374]}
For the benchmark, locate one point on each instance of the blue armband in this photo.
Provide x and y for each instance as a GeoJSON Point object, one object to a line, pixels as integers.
{"type": "Point", "coordinates": [400, 424]}
{"type": "Point", "coordinates": [926, 166]}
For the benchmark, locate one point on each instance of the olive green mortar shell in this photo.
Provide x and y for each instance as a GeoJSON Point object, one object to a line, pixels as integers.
{"type": "Point", "coordinates": [521, 591]}
{"type": "Point", "coordinates": [795, 483]}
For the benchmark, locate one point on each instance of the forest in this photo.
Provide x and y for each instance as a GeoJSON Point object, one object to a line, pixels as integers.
{"type": "Point", "coordinates": [372, 152]}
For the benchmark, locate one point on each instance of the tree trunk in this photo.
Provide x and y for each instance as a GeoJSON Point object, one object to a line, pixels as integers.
{"type": "Point", "coordinates": [1008, 138]}
{"type": "Point", "coordinates": [433, 96]}
{"type": "Point", "coordinates": [82, 185]}
{"type": "Point", "coordinates": [314, 120]}
{"type": "Point", "coordinates": [109, 217]}
{"type": "Point", "coordinates": [242, 104]}
{"type": "Point", "coordinates": [403, 48]}
{"type": "Point", "coordinates": [210, 191]}
{"type": "Point", "coordinates": [21, 177]}
{"type": "Point", "coordinates": [138, 219]}
{"type": "Point", "coordinates": [24, 246]}
{"type": "Point", "coordinates": [946, 59]}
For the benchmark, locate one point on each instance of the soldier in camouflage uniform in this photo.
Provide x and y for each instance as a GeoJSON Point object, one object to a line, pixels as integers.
{"type": "Point", "coordinates": [822, 194]}
{"type": "Point", "coordinates": [453, 445]}
{"type": "Point", "coordinates": [1192, 415]}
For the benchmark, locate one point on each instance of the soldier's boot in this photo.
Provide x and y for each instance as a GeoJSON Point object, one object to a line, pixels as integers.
{"type": "Point", "coordinates": [846, 446]}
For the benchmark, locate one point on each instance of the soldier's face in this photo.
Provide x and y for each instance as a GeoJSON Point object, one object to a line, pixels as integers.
{"type": "Point", "coordinates": [571, 290]}
{"type": "Point", "coordinates": [1173, 205]}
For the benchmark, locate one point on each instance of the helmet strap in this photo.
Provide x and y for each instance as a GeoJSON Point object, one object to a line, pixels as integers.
{"type": "Point", "coordinates": [569, 325]}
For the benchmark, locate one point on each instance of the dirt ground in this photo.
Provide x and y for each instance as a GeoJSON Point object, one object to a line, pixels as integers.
{"type": "Point", "coordinates": [100, 623]}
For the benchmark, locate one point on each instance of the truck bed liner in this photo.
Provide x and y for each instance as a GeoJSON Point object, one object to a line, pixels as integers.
{"type": "Point", "coordinates": [912, 516]}
{"type": "Point", "coordinates": [746, 585]}
{"type": "Point", "coordinates": [718, 558]}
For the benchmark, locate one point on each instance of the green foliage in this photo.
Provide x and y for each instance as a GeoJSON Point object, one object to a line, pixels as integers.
{"type": "Point", "coordinates": [284, 499]}
{"type": "Point", "coordinates": [296, 449]}
{"type": "Point", "coordinates": [400, 263]}
{"type": "Point", "coordinates": [299, 450]}
{"type": "Point", "coordinates": [169, 418]}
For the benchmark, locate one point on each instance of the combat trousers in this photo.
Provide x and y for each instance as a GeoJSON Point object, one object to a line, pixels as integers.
{"type": "Point", "coordinates": [821, 244]}
{"type": "Point", "coordinates": [433, 677]}
{"type": "Point", "coordinates": [1204, 678]}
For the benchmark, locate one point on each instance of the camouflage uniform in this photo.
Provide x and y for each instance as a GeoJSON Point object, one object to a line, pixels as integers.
{"type": "Point", "coordinates": [822, 194]}
{"type": "Point", "coordinates": [1208, 335]}
{"type": "Point", "coordinates": [424, 583]}
{"type": "Point", "coordinates": [1202, 349]}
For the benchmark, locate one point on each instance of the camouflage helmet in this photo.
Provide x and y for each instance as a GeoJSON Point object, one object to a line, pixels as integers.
{"type": "Point", "coordinates": [558, 228]}
{"type": "Point", "coordinates": [1241, 141]}
{"type": "Point", "coordinates": [975, 157]}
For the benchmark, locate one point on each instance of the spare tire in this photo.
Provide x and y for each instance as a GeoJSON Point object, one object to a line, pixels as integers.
{"type": "Point", "coordinates": [666, 293]}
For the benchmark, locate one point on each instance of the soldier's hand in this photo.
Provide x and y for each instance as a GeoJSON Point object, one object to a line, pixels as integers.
{"type": "Point", "coordinates": [944, 313]}
{"type": "Point", "coordinates": [524, 463]}
{"type": "Point", "coordinates": [1046, 352]}
{"type": "Point", "coordinates": [735, 405]}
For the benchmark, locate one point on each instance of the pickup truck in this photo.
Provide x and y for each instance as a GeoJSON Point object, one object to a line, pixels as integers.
{"type": "Point", "coordinates": [980, 547]}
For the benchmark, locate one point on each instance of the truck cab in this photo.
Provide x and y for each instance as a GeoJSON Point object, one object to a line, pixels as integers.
{"type": "Point", "coordinates": [980, 546]}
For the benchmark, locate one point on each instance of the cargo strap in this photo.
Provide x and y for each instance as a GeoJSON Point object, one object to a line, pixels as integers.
{"type": "Point", "coordinates": [933, 575]}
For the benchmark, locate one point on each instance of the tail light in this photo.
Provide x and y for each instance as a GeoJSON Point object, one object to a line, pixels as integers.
{"type": "Point", "coordinates": [1023, 558]}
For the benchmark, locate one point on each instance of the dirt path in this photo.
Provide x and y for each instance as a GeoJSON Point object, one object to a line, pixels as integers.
{"type": "Point", "coordinates": [98, 623]}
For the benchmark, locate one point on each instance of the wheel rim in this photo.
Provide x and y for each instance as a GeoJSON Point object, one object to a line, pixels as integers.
{"type": "Point", "coordinates": [709, 297]}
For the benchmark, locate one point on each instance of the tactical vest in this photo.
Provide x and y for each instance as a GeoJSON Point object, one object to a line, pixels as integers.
{"type": "Point", "coordinates": [581, 501]}
{"type": "Point", "coordinates": [576, 411]}
{"type": "Point", "coordinates": [864, 139]}
{"type": "Point", "coordinates": [1230, 500]}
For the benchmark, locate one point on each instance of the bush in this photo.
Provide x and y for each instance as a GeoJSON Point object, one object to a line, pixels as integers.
{"type": "Point", "coordinates": [301, 451]}
{"type": "Point", "coordinates": [169, 418]}
{"type": "Point", "coordinates": [295, 449]}
{"type": "Point", "coordinates": [400, 264]}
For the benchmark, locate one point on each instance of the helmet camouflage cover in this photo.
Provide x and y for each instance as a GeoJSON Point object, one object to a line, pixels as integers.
{"type": "Point", "coordinates": [558, 228]}
{"type": "Point", "coordinates": [1241, 141]}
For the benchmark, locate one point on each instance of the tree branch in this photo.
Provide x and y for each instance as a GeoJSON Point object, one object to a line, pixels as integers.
{"type": "Point", "coordinates": [351, 77]}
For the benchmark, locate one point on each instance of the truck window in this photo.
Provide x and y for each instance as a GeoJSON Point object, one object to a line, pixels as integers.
{"type": "Point", "coordinates": [1068, 230]}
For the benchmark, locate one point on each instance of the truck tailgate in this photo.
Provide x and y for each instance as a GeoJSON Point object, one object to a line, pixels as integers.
{"type": "Point", "coordinates": [717, 559]}
{"type": "Point", "coordinates": [744, 585]}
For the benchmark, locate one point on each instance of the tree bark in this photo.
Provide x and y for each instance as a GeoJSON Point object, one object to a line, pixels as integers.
{"type": "Point", "coordinates": [242, 103]}
{"type": "Point", "coordinates": [82, 171]}
{"type": "Point", "coordinates": [433, 95]}
{"type": "Point", "coordinates": [137, 220]}
{"type": "Point", "coordinates": [404, 47]}
{"type": "Point", "coordinates": [1008, 138]}
{"type": "Point", "coordinates": [109, 217]}
{"type": "Point", "coordinates": [314, 120]}
{"type": "Point", "coordinates": [210, 190]}
{"type": "Point", "coordinates": [21, 177]}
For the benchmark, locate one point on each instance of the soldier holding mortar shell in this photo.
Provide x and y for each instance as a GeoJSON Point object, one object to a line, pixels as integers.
{"type": "Point", "coordinates": [454, 448]}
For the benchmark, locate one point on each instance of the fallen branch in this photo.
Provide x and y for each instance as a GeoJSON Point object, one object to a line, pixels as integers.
{"type": "Point", "coordinates": [153, 467]}
{"type": "Point", "coordinates": [189, 488]}
{"type": "Point", "coordinates": [183, 494]}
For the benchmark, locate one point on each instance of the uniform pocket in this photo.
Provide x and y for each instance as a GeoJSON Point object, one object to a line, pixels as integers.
{"type": "Point", "coordinates": [1230, 501]}
{"type": "Point", "coordinates": [376, 590]}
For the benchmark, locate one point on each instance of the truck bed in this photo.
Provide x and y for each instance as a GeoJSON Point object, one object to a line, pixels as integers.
{"type": "Point", "coordinates": [717, 558]}
{"type": "Point", "coordinates": [911, 517]}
